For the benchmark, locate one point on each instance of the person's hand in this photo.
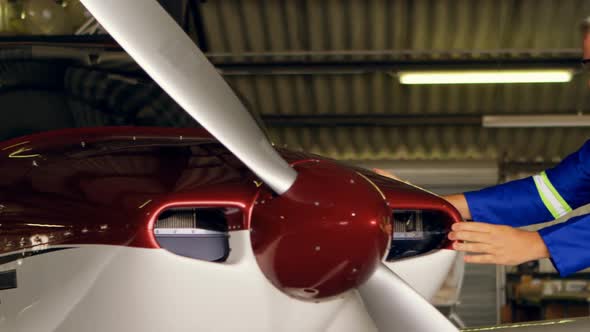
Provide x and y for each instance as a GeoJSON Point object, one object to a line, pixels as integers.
{"type": "Point", "coordinates": [497, 244]}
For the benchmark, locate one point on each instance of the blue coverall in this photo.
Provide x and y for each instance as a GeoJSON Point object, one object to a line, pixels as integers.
{"type": "Point", "coordinates": [545, 197]}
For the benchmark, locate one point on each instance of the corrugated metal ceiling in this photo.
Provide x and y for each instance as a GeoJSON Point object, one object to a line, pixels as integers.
{"type": "Point", "coordinates": [381, 93]}
{"type": "Point", "coordinates": [236, 27]}
{"type": "Point", "coordinates": [334, 58]}
{"type": "Point", "coordinates": [266, 33]}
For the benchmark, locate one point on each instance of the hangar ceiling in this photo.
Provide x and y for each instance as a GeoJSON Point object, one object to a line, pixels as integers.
{"type": "Point", "coordinates": [323, 74]}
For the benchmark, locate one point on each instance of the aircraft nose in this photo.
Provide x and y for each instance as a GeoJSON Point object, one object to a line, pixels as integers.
{"type": "Point", "coordinates": [324, 236]}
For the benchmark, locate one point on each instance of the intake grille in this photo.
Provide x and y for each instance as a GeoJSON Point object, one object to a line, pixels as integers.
{"type": "Point", "coordinates": [212, 219]}
{"type": "Point", "coordinates": [181, 218]}
{"type": "Point", "coordinates": [199, 233]}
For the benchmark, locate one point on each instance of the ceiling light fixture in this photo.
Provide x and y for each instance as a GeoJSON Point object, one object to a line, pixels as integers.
{"type": "Point", "coordinates": [535, 121]}
{"type": "Point", "coordinates": [486, 76]}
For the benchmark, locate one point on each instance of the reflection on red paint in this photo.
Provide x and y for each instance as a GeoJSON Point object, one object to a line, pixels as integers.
{"type": "Point", "coordinates": [109, 189]}
{"type": "Point", "coordinates": [311, 248]}
{"type": "Point", "coordinates": [108, 185]}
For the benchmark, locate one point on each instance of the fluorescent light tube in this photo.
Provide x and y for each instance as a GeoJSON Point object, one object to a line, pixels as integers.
{"type": "Point", "coordinates": [486, 76]}
{"type": "Point", "coordinates": [535, 121]}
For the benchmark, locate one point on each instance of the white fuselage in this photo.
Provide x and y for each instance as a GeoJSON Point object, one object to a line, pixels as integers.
{"type": "Point", "coordinates": [113, 288]}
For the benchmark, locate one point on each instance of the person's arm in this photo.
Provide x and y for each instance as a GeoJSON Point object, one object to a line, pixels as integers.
{"type": "Point", "coordinates": [386, 174]}
{"type": "Point", "coordinates": [460, 203]}
{"type": "Point", "coordinates": [568, 244]}
{"type": "Point", "coordinates": [543, 197]}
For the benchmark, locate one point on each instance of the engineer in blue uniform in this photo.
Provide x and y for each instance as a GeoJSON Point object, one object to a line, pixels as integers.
{"type": "Point", "coordinates": [546, 196]}
{"type": "Point", "coordinates": [540, 198]}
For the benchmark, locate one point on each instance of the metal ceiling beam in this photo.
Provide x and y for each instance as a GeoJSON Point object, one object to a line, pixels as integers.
{"type": "Point", "coordinates": [369, 66]}
{"type": "Point", "coordinates": [264, 63]}
{"type": "Point", "coordinates": [406, 53]}
{"type": "Point", "coordinates": [370, 120]}
{"type": "Point", "coordinates": [536, 121]}
{"type": "Point", "coordinates": [388, 120]}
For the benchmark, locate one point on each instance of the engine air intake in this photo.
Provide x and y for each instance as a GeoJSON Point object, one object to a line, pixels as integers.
{"type": "Point", "coordinates": [200, 233]}
{"type": "Point", "coordinates": [417, 232]}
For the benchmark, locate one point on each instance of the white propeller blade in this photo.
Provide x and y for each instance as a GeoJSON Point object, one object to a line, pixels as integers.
{"type": "Point", "coordinates": [156, 42]}
{"type": "Point", "coordinates": [395, 306]}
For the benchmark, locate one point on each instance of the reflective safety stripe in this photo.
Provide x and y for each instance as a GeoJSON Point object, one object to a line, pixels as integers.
{"type": "Point", "coordinates": [550, 197]}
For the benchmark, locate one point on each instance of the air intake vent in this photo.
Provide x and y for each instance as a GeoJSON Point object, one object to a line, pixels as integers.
{"type": "Point", "coordinates": [178, 219]}
{"type": "Point", "coordinates": [417, 232]}
{"type": "Point", "coordinates": [212, 219]}
{"type": "Point", "coordinates": [199, 233]}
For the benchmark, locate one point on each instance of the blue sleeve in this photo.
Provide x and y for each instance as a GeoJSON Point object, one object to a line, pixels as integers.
{"type": "Point", "coordinates": [515, 203]}
{"type": "Point", "coordinates": [568, 244]}
{"type": "Point", "coordinates": [519, 203]}
{"type": "Point", "coordinates": [571, 177]}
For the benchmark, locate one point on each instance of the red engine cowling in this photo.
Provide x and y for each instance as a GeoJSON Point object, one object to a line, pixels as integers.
{"type": "Point", "coordinates": [324, 236]}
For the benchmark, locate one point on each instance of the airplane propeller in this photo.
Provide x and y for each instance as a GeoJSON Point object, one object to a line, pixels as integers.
{"type": "Point", "coordinates": [156, 42]}
{"type": "Point", "coordinates": [171, 58]}
{"type": "Point", "coordinates": [395, 306]}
